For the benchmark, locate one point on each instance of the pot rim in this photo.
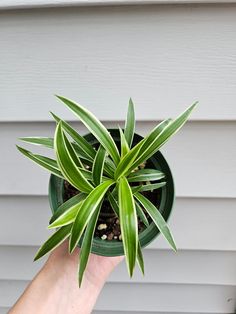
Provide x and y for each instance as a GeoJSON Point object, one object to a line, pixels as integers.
{"type": "Point", "coordinates": [114, 247]}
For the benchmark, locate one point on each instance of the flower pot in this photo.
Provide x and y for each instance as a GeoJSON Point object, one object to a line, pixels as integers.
{"type": "Point", "coordinates": [165, 203]}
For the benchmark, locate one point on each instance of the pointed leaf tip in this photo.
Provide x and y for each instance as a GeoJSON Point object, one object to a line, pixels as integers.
{"type": "Point", "coordinates": [128, 223]}
{"type": "Point", "coordinates": [130, 123]}
{"type": "Point", "coordinates": [157, 218]}
{"type": "Point", "coordinates": [140, 258]}
{"type": "Point", "coordinates": [193, 105]}
{"type": "Point", "coordinates": [95, 127]}
{"type": "Point", "coordinates": [55, 117]}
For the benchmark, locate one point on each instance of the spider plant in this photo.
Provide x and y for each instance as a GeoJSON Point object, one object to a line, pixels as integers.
{"type": "Point", "coordinates": [114, 175]}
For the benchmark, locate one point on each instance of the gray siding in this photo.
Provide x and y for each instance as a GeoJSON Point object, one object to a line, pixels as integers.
{"type": "Point", "coordinates": [165, 57]}
{"type": "Point", "coordinates": [199, 155]}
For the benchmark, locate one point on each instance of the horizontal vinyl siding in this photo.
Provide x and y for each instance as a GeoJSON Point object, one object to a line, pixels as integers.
{"type": "Point", "coordinates": [200, 155]}
{"type": "Point", "coordinates": [162, 266]}
{"type": "Point", "coordinates": [3, 310]}
{"type": "Point", "coordinates": [165, 57]}
{"type": "Point", "coordinates": [21, 4]}
{"type": "Point", "coordinates": [199, 224]}
{"type": "Point", "coordinates": [149, 297]}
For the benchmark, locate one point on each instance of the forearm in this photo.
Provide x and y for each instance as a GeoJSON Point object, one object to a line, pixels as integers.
{"type": "Point", "coordinates": [55, 289]}
{"type": "Point", "coordinates": [57, 292]}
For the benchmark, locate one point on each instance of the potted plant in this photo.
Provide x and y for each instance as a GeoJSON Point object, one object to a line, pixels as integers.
{"type": "Point", "coordinates": [111, 191]}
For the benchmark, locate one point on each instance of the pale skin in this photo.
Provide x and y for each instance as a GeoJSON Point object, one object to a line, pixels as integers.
{"type": "Point", "coordinates": [55, 288]}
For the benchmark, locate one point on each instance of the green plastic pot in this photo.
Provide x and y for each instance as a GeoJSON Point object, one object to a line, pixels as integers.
{"type": "Point", "coordinates": [167, 195]}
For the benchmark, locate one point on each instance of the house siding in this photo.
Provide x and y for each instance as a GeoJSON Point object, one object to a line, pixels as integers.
{"type": "Point", "coordinates": [165, 57]}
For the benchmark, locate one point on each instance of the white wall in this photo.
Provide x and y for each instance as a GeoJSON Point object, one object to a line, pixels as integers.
{"type": "Point", "coordinates": [165, 57]}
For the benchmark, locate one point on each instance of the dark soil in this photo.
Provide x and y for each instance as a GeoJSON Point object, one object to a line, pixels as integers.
{"type": "Point", "coordinates": [108, 225]}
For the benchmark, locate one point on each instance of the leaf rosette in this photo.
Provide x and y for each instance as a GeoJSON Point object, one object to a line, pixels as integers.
{"type": "Point", "coordinates": [116, 174]}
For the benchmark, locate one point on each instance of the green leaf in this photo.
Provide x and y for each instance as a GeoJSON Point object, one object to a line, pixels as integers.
{"type": "Point", "coordinates": [123, 143]}
{"type": "Point", "coordinates": [140, 258]}
{"type": "Point", "coordinates": [153, 144]}
{"type": "Point", "coordinates": [67, 211]}
{"type": "Point", "coordinates": [49, 161]}
{"type": "Point", "coordinates": [89, 175]}
{"type": "Point", "coordinates": [43, 141]}
{"type": "Point", "coordinates": [130, 124]}
{"type": "Point", "coordinates": [67, 165]}
{"type": "Point", "coordinates": [49, 143]}
{"type": "Point", "coordinates": [98, 165]}
{"type": "Point", "coordinates": [79, 152]}
{"type": "Point", "coordinates": [73, 154]}
{"type": "Point", "coordinates": [146, 142]}
{"type": "Point", "coordinates": [95, 127]}
{"type": "Point", "coordinates": [146, 175]}
{"type": "Point", "coordinates": [89, 206]}
{"type": "Point", "coordinates": [44, 162]}
{"type": "Point", "coordinates": [109, 167]}
{"type": "Point", "coordinates": [83, 148]}
{"type": "Point", "coordinates": [54, 241]}
{"type": "Point", "coordinates": [157, 218]}
{"type": "Point", "coordinates": [136, 188]}
{"type": "Point", "coordinates": [87, 243]}
{"type": "Point", "coordinates": [80, 140]}
{"type": "Point", "coordinates": [141, 214]}
{"type": "Point", "coordinates": [152, 136]}
{"type": "Point", "coordinates": [150, 187]}
{"type": "Point", "coordinates": [147, 187]}
{"type": "Point", "coordinates": [113, 203]}
{"type": "Point", "coordinates": [67, 205]}
{"type": "Point", "coordinates": [86, 173]}
{"type": "Point", "coordinates": [128, 223]}
{"type": "Point", "coordinates": [127, 161]}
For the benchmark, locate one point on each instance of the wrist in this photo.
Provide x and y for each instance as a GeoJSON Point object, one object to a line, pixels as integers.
{"type": "Point", "coordinates": [60, 282]}
{"type": "Point", "coordinates": [64, 269]}
{"type": "Point", "coordinates": [55, 289]}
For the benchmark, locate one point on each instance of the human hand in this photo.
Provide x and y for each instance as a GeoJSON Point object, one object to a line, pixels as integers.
{"type": "Point", "coordinates": [97, 270]}
{"type": "Point", "coordinates": [55, 289]}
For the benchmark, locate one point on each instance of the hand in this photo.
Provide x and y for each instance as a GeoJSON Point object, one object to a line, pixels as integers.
{"type": "Point", "coordinates": [55, 289]}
